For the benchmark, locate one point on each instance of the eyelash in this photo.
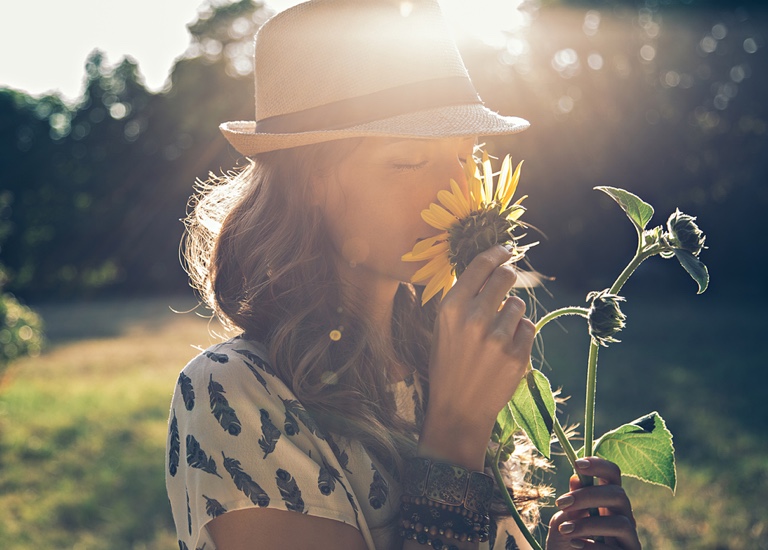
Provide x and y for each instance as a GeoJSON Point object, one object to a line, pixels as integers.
{"type": "Point", "coordinates": [413, 167]}
{"type": "Point", "coordinates": [409, 167]}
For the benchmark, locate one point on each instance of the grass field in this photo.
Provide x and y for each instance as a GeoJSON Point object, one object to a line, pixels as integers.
{"type": "Point", "coordinates": [82, 427]}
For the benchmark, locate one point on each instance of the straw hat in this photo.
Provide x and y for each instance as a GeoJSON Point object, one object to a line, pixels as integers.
{"type": "Point", "coordinates": [333, 69]}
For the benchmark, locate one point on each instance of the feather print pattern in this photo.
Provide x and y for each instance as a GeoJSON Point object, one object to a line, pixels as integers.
{"type": "Point", "coordinates": [187, 391]}
{"type": "Point", "coordinates": [511, 543]}
{"type": "Point", "coordinates": [379, 490]}
{"type": "Point", "coordinates": [492, 532]}
{"type": "Point", "coordinates": [213, 507]}
{"type": "Point", "coordinates": [289, 490]}
{"type": "Point", "coordinates": [174, 446]}
{"type": "Point", "coordinates": [290, 426]}
{"type": "Point", "coordinates": [217, 357]}
{"type": "Point", "coordinates": [182, 545]}
{"type": "Point", "coordinates": [270, 434]}
{"type": "Point", "coordinates": [295, 409]}
{"type": "Point", "coordinates": [189, 514]}
{"type": "Point", "coordinates": [221, 410]}
{"type": "Point", "coordinates": [258, 361]}
{"type": "Point", "coordinates": [197, 458]}
{"type": "Point", "coordinates": [245, 483]}
{"type": "Point", "coordinates": [326, 479]}
{"type": "Point", "coordinates": [258, 376]}
{"type": "Point", "coordinates": [341, 456]}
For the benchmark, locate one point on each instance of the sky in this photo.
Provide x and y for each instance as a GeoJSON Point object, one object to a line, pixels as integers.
{"type": "Point", "coordinates": [44, 43]}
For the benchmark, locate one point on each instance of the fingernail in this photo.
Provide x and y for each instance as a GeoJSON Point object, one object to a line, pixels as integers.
{"type": "Point", "coordinates": [564, 501]}
{"type": "Point", "coordinates": [582, 464]}
{"type": "Point", "coordinates": [566, 527]}
{"type": "Point", "coordinates": [509, 247]}
{"type": "Point", "coordinates": [577, 543]}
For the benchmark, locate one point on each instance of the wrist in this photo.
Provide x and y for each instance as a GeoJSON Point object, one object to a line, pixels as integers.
{"type": "Point", "coordinates": [456, 440]}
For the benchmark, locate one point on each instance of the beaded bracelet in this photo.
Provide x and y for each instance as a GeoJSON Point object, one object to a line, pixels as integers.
{"type": "Point", "coordinates": [450, 521]}
{"type": "Point", "coordinates": [423, 538]}
{"type": "Point", "coordinates": [445, 499]}
{"type": "Point", "coordinates": [448, 484]}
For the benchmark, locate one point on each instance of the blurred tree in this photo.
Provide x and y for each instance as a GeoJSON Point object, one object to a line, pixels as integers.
{"type": "Point", "coordinates": [98, 188]}
{"type": "Point", "coordinates": [665, 101]}
{"type": "Point", "coordinates": [20, 327]}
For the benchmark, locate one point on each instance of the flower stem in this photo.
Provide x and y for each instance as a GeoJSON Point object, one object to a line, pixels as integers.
{"type": "Point", "coordinates": [510, 503]}
{"type": "Point", "coordinates": [552, 315]}
{"type": "Point", "coordinates": [568, 449]}
{"type": "Point", "coordinates": [640, 257]}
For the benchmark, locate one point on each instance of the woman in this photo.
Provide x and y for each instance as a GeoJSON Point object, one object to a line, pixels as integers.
{"type": "Point", "coordinates": [347, 415]}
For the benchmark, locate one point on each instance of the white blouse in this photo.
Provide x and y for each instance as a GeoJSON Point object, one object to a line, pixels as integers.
{"type": "Point", "coordinates": [238, 438]}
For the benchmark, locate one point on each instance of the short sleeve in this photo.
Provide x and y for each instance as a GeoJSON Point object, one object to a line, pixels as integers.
{"type": "Point", "coordinates": [238, 438]}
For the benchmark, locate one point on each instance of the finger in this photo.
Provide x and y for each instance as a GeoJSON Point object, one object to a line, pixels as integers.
{"type": "Point", "coordinates": [478, 271]}
{"type": "Point", "coordinates": [611, 498]}
{"type": "Point", "coordinates": [599, 467]}
{"type": "Point", "coordinates": [497, 287]}
{"type": "Point", "coordinates": [508, 325]}
{"type": "Point", "coordinates": [618, 527]}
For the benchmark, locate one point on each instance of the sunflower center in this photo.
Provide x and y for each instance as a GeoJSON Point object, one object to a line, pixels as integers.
{"type": "Point", "coordinates": [477, 232]}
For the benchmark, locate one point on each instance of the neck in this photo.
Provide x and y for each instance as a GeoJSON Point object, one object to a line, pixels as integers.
{"type": "Point", "coordinates": [378, 294]}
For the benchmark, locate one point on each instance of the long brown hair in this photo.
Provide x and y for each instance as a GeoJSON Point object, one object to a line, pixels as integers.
{"type": "Point", "coordinates": [258, 252]}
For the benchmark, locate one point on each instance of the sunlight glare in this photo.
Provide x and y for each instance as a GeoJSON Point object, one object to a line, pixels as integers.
{"type": "Point", "coordinates": [487, 20]}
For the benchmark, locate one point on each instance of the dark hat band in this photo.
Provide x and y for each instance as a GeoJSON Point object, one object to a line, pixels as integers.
{"type": "Point", "coordinates": [400, 100]}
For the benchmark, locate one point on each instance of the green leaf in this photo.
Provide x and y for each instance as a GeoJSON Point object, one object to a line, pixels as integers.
{"type": "Point", "coordinates": [533, 408]}
{"type": "Point", "coordinates": [639, 211]}
{"type": "Point", "coordinates": [642, 449]}
{"type": "Point", "coordinates": [505, 425]}
{"type": "Point", "coordinates": [695, 268]}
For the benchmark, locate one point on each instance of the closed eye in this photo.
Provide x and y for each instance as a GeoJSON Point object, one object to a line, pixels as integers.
{"type": "Point", "coordinates": [407, 167]}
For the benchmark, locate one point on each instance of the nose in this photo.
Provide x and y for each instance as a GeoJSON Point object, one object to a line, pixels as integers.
{"type": "Point", "coordinates": [456, 171]}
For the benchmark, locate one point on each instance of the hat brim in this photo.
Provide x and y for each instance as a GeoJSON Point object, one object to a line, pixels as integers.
{"type": "Point", "coordinates": [442, 122]}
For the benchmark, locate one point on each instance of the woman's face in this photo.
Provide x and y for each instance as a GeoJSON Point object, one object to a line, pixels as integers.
{"type": "Point", "coordinates": [372, 202]}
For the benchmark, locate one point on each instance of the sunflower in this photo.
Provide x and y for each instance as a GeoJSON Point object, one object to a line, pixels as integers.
{"type": "Point", "coordinates": [469, 225]}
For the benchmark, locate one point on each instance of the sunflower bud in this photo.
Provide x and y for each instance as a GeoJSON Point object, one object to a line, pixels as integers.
{"type": "Point", "coordinates": [605, 317]}
{"type": "Point", "coordinates": [652, 236]}
{"type": "Point", "coordinates": [684, 233]}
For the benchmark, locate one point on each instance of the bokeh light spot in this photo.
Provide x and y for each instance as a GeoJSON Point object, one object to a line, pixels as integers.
{"type": "Point", "coordinates": [648, 52]}
{"type": "Point", "coordinates": [672, 79]}
{"type": "Point", "coordinates": [566, 62]}
{"type": "Point", "coordinates": [750, 46]}
{"type": "Point", "coordinates": [591, 22]}
{"type": "Point", "coordinates": [708, 44]}
{"type": "Point", "coordinates": [719, 31]}
{"type": "Point", "coordinates": [595, 61]}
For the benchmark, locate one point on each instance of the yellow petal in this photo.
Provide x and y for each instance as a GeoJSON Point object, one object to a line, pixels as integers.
{"type": "Point", "coordinates": [503, 181]}
{"type": "Point", "coordinates": [476, 194]}
{"type": "Point", "coordinates": [514, 216]}
{"type": "Point", "coordinates": [487, 177]}
{"type": "Point", "coordinates": [470, 169]}
{"type": "Point", "coordinates": [435, 265]}
{"type": "Point", "coordinates": [427, 243]}
{"type": "Point", "coordinates": [442, 280]}
{"type": "Point", "coordinates": [438, 217]}
{"type": "Point", "coordinates": [455, 203]}
{"type": "Point", "coordinates": [461, 196]}
{"type": "Point", "coordinates": [512, 186]}
{"type": "Point", "coordinates": [426, 254]}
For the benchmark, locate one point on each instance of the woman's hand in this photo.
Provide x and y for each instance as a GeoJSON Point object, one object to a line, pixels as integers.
{"type": "Point", "coordinates": [481, 348]}
{"type": "Point", "coordinates": [572, 527]}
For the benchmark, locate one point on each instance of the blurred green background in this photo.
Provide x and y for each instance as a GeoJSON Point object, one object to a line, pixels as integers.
{"type": "Point", "coordinates": [664, 98]}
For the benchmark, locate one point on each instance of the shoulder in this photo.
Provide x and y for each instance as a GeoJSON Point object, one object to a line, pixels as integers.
{"type": "Point", "coordinates": [226, 384]}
